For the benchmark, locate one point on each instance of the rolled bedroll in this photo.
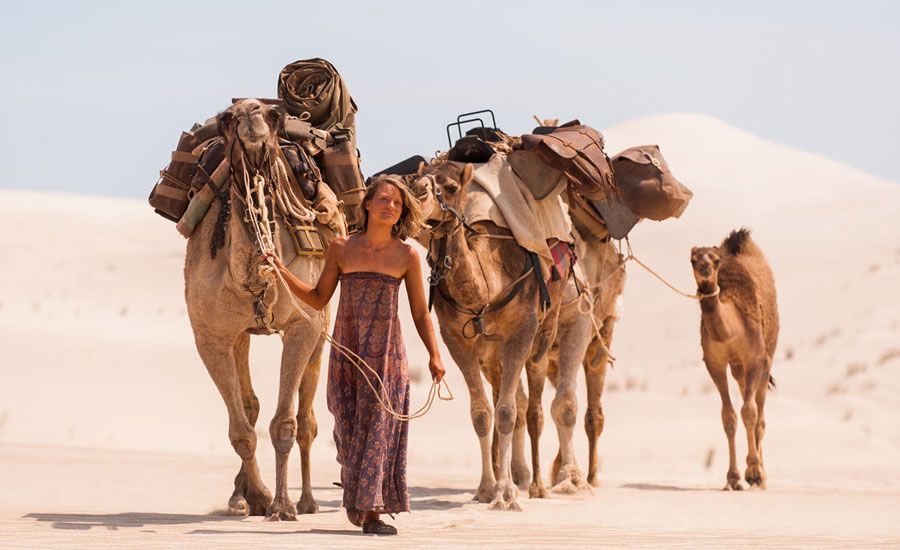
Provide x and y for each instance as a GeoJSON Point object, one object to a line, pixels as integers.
{"type": "Point", "coordinates": [314, 86]}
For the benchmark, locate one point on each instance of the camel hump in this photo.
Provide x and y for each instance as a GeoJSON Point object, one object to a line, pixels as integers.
{"type": "Point", "coordinates": [738, 242]}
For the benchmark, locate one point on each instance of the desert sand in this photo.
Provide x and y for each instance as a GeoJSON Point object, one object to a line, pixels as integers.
{"type": "Point", "coordinates": [112, 434]}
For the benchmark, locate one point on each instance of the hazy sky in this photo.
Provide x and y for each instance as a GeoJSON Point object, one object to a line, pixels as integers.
{"type": "Point", "coordinates": [96, 93]}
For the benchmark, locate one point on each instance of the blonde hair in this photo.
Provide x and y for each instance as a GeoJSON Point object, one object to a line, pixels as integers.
{"type": "Point", "coordinates": [411, 217]}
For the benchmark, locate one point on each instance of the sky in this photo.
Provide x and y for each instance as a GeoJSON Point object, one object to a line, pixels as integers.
{"type": "Point", "coordinates": [97, 93]}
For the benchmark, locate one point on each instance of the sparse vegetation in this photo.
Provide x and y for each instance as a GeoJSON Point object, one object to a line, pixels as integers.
{"type": "Point", "coordinates": [888, 356]}
{"type": "Point", "coordinates": [826, 336]}
{"type": "Point", "coordinates": [855, 368]}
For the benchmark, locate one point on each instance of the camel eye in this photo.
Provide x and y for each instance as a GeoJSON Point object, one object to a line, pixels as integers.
{"type": "Point", "coordinates": [451, 187]}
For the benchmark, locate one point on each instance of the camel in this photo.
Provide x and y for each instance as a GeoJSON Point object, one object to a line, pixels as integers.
{"type": "Point", "coordinates": [603, 266]}
{"type": "Point", "coordinates": [229, 298]}
{"type": "Point", "coordinates": [478, 266]}
{"type": "Point", "coordinates": [738, 327]}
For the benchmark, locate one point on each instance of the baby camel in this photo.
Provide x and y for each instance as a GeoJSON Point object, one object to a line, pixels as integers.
{"type": "Point", "coordinates": [739, 327]}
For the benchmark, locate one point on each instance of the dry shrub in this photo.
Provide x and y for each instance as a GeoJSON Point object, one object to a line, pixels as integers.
{"type": "Point", "coordinates": [789, 354]}
{"type": "Point", "coordinates": [855, 368]}
{"type": "Point", "coordinates": [888, 356]}
{"type": "Point", "coordinates": [826, 336]}
{"type": "Point", "coordinates": [836, 388]}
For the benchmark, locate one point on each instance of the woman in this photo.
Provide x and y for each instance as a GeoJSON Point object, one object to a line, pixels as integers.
{"type": "Point", "coordinates": [371, 444]}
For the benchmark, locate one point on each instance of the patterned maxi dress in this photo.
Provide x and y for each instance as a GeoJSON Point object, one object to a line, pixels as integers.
{"type": "Point", "coordinates": [371, 444]}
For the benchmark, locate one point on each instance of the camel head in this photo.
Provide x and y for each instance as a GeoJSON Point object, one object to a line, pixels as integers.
{"type": "Point", "coordinates": [440, 187]}
{"type": "Point", "coordinates": [254, 124]}
{"type": "Point", "coordinates": [705, 261]}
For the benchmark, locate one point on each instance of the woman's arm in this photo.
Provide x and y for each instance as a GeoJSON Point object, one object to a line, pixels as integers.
{"type": "Point", "coordinates": [415, 291]}
{"type": "Point", "coordinates": [318, 296]}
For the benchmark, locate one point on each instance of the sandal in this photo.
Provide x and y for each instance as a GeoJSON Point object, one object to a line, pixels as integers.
{"type": "Point", "coordinates": [378, 527]}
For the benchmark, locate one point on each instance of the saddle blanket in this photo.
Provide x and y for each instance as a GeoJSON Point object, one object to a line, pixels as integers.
{"type": "Point", "coordinates": [499, 196]}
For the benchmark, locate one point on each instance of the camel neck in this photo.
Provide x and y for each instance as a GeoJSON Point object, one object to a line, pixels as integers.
{"type": "Point", "coordinates": [711, 309]}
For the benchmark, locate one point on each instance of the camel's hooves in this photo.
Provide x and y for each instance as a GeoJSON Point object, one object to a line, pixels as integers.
{"type": "Point", "coordinates": [537, 491]}
{"type": "Point", "coordinates": [565, 487]}
{"type": "Point", "coordinates": [755, 477]}
{"type": "Point", "coordinates": [307, 506]}
{"type": "Point", "coordinates": [501, 506]}
{"type": "Point", "coordinates": [593, 481]}
{"type": "Point", "coordinates": [733, 486]}
{"type": "Point", "coordinates": [485, 495]}
{"type": "Point", "coordinates": [237, 506]}
{"type": "Point", "coordinates": [281, 512]}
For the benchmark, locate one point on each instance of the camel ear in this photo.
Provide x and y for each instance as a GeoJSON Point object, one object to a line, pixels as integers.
{"type": "Point", "coordinates": [226, 121]}
{"type": "Point", "coordinates": [421, 171]}
{"type": "Point", "coordinates": [466, 175]}
{"type": "Point", "coordinates": [275, 117]}
{"type": "Point", "coordinates": [693, 250]}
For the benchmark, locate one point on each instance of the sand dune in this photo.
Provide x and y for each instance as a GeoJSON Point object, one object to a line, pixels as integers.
{"type": "Point", "coordinates": [112, 433]}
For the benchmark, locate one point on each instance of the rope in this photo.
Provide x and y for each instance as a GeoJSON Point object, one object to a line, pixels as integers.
{"type": "Point", "coordinates": [584, 298]}
{"type": "Point", "coordinates": [263, 232]}
{"type": "Point", "coordinates": [695, 296]}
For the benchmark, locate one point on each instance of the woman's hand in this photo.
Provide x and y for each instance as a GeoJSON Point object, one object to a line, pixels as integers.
{"type": "Point", "coordinates": [437, 369]}
{"type": "Point", "coordinates": [279, 265]}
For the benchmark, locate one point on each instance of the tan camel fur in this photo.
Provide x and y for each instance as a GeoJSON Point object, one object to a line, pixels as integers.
{"type": "Point", "coordinates": [516, 336]}
{"type": "Point", "coordinates": [228, 298]}
{"type": "Point", "coordinates": [738, 327]}
{"type": "Point", "coordinates": [605, 282]}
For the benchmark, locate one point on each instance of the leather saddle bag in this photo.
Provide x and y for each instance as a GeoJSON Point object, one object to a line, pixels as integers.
{"type": "Point", "coordinates": [577, 151]}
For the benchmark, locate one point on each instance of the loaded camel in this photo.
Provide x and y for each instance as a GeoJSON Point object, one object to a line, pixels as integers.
{"type": "Point", "coordinates": [488, 269]}
{"type": "Point", "coordinates": [738, 327]}
{"type": "Point", "coordinates": [229, 298]}
{"type": "Point", "coordinates": [482, 266]}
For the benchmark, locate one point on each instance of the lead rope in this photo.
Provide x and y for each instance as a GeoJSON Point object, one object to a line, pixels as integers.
{"type": "Point", "coordinates": [263, 232]}
{"type": "Point", "coordinates": [584, 298]}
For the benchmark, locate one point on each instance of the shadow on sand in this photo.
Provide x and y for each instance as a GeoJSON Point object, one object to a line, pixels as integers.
{"type": "Point", "coordinates": [83, 522]}
{"type": "Point", "coordinates": [653, 487]}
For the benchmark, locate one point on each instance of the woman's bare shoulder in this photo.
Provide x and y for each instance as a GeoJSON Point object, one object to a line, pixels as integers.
{"type": "Point", "coordinates": [410, 256]}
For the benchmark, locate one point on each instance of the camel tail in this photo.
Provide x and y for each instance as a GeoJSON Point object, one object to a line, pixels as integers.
{"type": "Point", "coordinates": [737, 241]}
{"type": "Point", "coordinates": [772, 385]}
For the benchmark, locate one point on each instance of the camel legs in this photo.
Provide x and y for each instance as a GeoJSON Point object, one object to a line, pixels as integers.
{"type": "Point", "coordinates": [536, 375]}
{"type": "Point", "coordinates": [226, 360]}
{"type": "Point", "coordinates": [250, 497]}
{"type": "Point", "coordinates": [574, 336]}
{"type": "Point", "coordinates": [480, 410]}
{"type": "Point", "coordinates": [512, 360]}
{"type": "Point", "coordinates": [307, 429]}
{"type": "Point", "coordinates": [520, 471]}
{"type": "Point", "coordinates": [754, 394]}
{"type": "Point", "coordinates": [718, 374]}
{"type": "Point", "coordinates": [299, 345]}
{"type": "Point", "coordinates": [595, 365]}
